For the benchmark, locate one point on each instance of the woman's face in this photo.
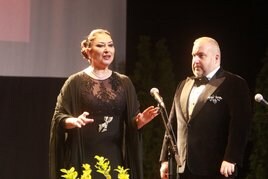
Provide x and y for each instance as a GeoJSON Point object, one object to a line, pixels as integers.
{"type": "Point", "coordinates": [102, 51]}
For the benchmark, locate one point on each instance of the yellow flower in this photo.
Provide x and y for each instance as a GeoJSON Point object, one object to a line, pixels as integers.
{"type": "Point", "coordinates": [103, 166]}
{"type": "Point", "coordinates": [69, 174]}
{"type": "Point", "coordinates": [86, 172]}
{"type": "Point", "coordinates": [122, 173]}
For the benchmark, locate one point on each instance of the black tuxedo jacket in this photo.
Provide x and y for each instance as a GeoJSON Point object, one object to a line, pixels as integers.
{"type": "Point", "coordinates": [219, 125]}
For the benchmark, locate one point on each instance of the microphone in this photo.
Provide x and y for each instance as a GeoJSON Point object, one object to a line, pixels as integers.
{"type": "Point", "coordinates": [155, 93]}
{"type": "Point", "coordinates": [259, 98]}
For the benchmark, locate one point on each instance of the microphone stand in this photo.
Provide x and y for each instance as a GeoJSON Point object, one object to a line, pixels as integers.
{"type": "Point", "coordinates": [173, 156]}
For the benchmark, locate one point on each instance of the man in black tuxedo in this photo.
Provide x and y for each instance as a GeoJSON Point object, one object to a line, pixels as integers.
{"type": "Point", "coordinates": [211, 115]}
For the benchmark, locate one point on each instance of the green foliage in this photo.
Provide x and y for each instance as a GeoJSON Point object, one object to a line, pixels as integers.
{"type": "Point", "coordinates": [259, 134]}
{"type": "Point", "coordinates": [153, 68]}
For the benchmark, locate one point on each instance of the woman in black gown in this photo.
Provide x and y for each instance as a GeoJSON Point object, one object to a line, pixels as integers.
{"type": "Point", "coordinates": [97, 113]}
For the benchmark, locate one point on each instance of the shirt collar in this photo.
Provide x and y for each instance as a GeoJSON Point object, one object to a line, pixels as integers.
{"type": "Point", "coordinates": [211, 74]}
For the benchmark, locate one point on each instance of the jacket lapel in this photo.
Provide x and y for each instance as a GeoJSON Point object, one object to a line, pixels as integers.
{"type": "Point", "coordinates": [213, 84]}
{"type": "Point", "coordinates": [184, 98]}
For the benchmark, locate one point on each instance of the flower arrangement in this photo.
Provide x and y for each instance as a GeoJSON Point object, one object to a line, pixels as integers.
{"type": "Point", "coordinates": [102, 166]}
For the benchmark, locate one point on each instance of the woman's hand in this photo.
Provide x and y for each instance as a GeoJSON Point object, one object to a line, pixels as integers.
{"type": "Point", "coordinates": [146, 116]}
{"type": "Point", "coordinates": [80, 121]}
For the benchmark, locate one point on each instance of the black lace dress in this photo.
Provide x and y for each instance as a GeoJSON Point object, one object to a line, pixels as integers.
{"type": "Point", "coordinates": [105, 101]}
{"type": "Point", "coordinates": [113, 104]}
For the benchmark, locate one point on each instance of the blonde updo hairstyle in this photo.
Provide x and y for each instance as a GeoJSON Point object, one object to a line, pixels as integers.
{"type": "Point", "coordinates": [85, 44]}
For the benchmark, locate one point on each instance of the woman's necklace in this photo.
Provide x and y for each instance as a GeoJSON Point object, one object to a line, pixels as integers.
{"type": "Point", "coordinates": [100, 76]}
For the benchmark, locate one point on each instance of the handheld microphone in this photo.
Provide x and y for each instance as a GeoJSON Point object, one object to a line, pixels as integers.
{"type": "Point", "coordinates": [155, 93]}
{"type": "Point", "coordinates": [259, 98]}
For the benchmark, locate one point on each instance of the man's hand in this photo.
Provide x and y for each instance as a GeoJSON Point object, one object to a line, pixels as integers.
{"type": "Point", "coordinates": [227, 168]}
{"type": "Point", "coordinates": [164, 170]}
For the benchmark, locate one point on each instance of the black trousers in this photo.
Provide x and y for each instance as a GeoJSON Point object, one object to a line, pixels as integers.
{"type": "Point", "coordinates": [188, 175]}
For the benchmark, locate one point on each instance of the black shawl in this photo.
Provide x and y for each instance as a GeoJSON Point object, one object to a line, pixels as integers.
{"type": "Point", "coordinates": [68, 106]}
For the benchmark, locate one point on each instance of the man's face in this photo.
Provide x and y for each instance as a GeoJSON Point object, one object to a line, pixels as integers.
{"type": "Point", "coordinates": [204, 59]}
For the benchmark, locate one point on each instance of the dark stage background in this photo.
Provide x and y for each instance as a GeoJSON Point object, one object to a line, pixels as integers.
{"type": "Point", "coordinates": [27, 106]}
{"type": "Point", "coordinates": [240, 27]}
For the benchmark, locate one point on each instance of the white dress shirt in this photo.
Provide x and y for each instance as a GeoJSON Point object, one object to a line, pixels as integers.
{"type": "Point", "coordinates": [196, 91]}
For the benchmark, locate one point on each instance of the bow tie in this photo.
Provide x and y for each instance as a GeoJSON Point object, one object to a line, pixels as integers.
{"type": "Point", "coordinates": [200, 80]}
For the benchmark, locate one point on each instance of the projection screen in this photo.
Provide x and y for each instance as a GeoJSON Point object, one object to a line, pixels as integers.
{"type": "Point", "coordinates": [41, 38]}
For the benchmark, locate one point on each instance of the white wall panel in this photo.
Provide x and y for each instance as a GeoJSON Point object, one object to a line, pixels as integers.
{"type": "Point", "coordinates": [42, 38]}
